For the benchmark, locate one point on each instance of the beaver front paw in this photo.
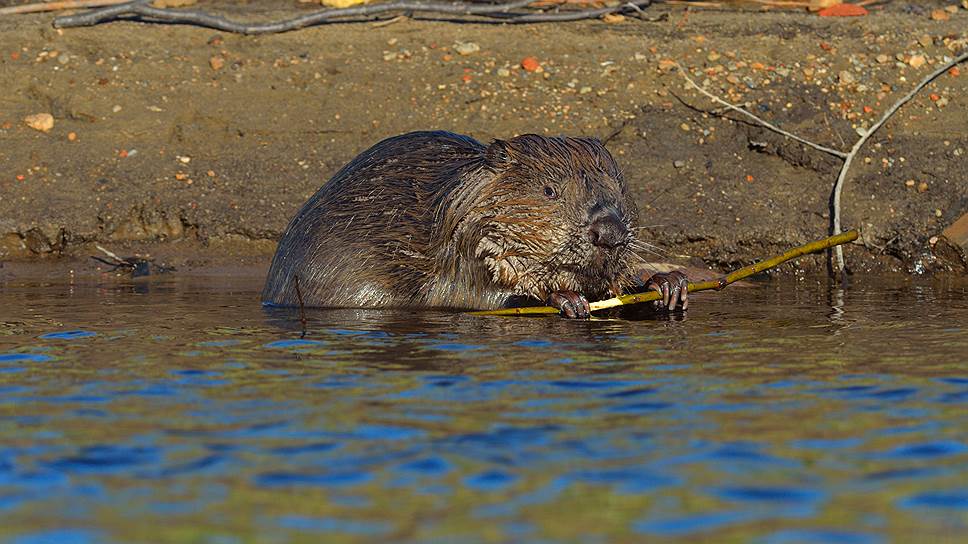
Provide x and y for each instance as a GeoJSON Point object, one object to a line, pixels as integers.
{"type": "Point", "coordinates": [572, 304]}
{"type": "Point", "coordinates": [674, 288]}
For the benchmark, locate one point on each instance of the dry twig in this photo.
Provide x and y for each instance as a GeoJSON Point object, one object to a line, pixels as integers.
{"type": "Point", "coordinates": [57, 6]}
{"type": "Point", "coordinates": [759, 120]}
{"type": "Point", "coordinates": [847, 157]}
{"type": "Point", "coordinates": [494, 12]}
{"type": "Point", "coordinates": [839, 186]}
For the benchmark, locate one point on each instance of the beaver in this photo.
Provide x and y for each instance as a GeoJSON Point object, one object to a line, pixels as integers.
{"type": "Point", "coordinates": [437, 219]}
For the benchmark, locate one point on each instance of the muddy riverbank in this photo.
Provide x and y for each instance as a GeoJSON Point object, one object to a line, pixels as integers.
{"type": "Point", "coordinates": [196, 146]}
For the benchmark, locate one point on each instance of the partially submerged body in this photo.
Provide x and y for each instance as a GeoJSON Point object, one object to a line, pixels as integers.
{"type": "Point", "coordinates": [436, 219]}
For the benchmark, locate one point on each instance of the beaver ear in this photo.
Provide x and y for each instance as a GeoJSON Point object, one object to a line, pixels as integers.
{"type": "Point", "coordinates": [498, 155]}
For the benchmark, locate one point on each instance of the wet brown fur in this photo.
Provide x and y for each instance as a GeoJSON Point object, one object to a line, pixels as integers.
{"type": "Point", "coordinates": [436, 219]}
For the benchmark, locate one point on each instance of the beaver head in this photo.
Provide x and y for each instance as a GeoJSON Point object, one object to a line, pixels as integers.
{"type": "Point", "coordinates": [547, 214]}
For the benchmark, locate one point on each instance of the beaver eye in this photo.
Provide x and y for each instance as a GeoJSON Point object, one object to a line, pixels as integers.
{"type": "Point", "coordinates": [551, 192]}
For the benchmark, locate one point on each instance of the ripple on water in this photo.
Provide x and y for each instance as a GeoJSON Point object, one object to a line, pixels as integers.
{"type": "Point", "coordinates": [454, 346]}
{"type": "Point", "coordinates": [490, 480]}
{"type": "Point", "coordinates": [335, 525]}
{"type": "Point", "coordinates": [31, 357]}
{"type": "Point", "coordinates": [433, 466]}
{"type": "Point", "coordinates": [298, 479]}
{"type": "Point", "coordinates": [208, 464]}
{"type": "Point", "coordinates": [19, 358]}
{"type": "Point", "coordinates": [819, 536]}
{"type": "Point", "coordinates": [106, 459]}
{"type": "Point", "coordinates": [928, 450]}
{"type": "Point", "coordinates": [534, 343]}
{"type": "Point", "coordinates": [954, 499]}
{"type": "Point", "coordinates": [294, 343]}
{"type": "Point", "coordinates": [299, 449]}
{"type": "Point", "coordinates": [627, 479]}
{"type": "Point", "coordinates": [640, 407]}
{"type": "Point", "coordinates": [60, 536]}
{"type": "Point", "coordinates": [691, 524]}
{"type": "Point", "coordinates": [68, 335]}
{"type": "Point", "coordinates": [765, 494]}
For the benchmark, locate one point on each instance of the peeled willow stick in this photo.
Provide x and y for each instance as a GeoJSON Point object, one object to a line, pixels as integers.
{"type": "Point", "coordinates": [734, 276]}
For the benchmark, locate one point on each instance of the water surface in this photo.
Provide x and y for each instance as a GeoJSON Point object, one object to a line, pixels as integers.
{"type": "Point", "coordinates": [179, 410]}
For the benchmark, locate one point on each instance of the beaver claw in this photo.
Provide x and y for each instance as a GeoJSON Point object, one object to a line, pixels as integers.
{"type": "Point", "coordinates": [571, 304]}
{"type": "Point", "coordinates": [673, 287]}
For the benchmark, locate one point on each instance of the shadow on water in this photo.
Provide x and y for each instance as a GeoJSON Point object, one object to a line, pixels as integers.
{"type": "Point", "coordinates": [176, 410]}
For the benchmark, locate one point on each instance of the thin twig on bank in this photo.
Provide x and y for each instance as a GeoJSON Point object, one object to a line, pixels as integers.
{"type": "Point", "coordinates": [839, 186]}
{"type": "Point", "coordinates": [503, 13]}
{"type": "Point", "coordinates": [759, 120]}
{"type": "Point", "coordinates": [848, 157]}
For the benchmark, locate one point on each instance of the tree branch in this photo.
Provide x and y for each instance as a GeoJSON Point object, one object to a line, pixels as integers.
{"type": "Point", "coordinates": [499, 12]}
{"type": "Point", "coordinates": [839, 186]}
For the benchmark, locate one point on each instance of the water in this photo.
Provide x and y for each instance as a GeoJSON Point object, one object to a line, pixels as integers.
{"type": "Point", "coordinates": [181, 411]}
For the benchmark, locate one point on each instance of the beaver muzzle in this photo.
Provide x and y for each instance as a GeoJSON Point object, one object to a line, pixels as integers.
{"type": "Point", "coordinates": [607, 229]}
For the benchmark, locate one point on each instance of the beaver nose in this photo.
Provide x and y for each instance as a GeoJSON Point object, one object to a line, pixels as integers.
{"type": "Point", "coordinates": [608, 230]}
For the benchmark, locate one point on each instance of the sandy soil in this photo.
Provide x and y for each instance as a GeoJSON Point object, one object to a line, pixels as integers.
{"type": "Point", "coordinates": [197, 146]}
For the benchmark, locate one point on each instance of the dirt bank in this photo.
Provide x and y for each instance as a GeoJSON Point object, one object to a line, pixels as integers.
{"type": "Point", "coordinates": [197, 146]}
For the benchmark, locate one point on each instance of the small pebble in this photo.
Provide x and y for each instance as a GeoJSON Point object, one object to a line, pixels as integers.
{"type": "Point", "coordinates": [678, 164]}
{"type": "Point", "coordinates": [667, 65]}
{"type": "Point", "coordinates": [917, 61]}
{"type": "Point", "coordinates": [530, 64]}
{"type": "Point", "coordinates": [43, 122]}
{"type": "Point", "coordinates": [466, 48]}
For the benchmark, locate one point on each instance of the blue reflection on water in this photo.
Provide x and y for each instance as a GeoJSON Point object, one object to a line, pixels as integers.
{"type": "Point", "coordinates": [293, 343]}
{"type": "Point", "coordinates": [691, 524]}
{"type": "Point", "coordinates": [335, 525]}
{"type": "Point", "coordinates": [61, 536]}
{"type": "Point", "coordinates": [296, 479]}
{"type": "Point", "coordinates": [819, 536]}
{"type": "Point", "coordinates": [68, 335]}
{"type": "Point", "coordinates": [32, 357]}
{"type": "Point", "coordinates": [954, 499]}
